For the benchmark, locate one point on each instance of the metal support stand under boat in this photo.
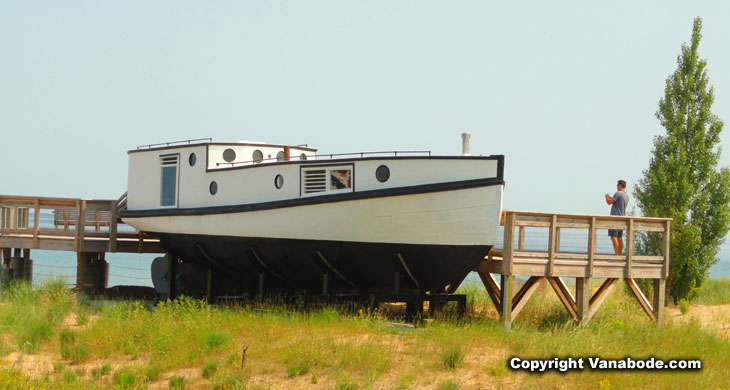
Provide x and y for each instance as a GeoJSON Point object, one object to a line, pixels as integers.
{"type": "Point", "coordinates": [334, 270]}
{"type": "Point", "coordinates": [254, 257]}
{"type": "Point", "coordinates": [408, 271]}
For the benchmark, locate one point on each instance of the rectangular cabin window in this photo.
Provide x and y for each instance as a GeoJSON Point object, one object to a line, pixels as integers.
{"type": "Point", "coordinates": [168, 192]}
{"type": "Point", "coordinates": [340, 179]}
{"type": "Point", "coordinates": [325, 179]}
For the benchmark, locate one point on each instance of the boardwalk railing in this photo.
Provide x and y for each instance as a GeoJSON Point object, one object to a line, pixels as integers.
{"type": "Point", "coordinates": [80, 225]}
{"type": "Point", "coordinates": [581, 261]}
{"type": "Point", "coordinates": [516, 258]}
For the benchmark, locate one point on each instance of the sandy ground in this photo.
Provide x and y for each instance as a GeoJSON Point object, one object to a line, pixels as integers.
{"type": "Point", "coordinates": [715, 317]}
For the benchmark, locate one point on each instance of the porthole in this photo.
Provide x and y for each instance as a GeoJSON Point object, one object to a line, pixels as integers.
{"type": "Point", "coordinates": [303, 157]}
{"type": "Point", "coordinates": [229, 155]}
{"type": "Point", "coordinates": [191, 159]}
{"type": "Point", "coordinates": [280, 156]}
{"type": "Point", "coordinates": [279, 181]}
{"type": "Point", "coordinates": [382, 173]}
{"type": "Point", "coordinates": [257, 156]}
{"type": "Point", "coordinates": [213, 188]}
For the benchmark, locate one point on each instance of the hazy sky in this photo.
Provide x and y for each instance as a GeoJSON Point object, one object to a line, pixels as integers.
{"type": "Point", "coordinates": [566, 91]}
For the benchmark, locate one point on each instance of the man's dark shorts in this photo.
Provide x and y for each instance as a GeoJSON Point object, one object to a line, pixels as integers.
{"type": "Point", "coordinates": [615, 233]}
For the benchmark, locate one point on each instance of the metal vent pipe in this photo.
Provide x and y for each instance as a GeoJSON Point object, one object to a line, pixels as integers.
{"type": "Point", "coordinates": [465, 144]}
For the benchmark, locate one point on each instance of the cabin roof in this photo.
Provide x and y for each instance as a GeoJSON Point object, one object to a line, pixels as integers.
{"type": "Point", "coordinates": [200, 142]}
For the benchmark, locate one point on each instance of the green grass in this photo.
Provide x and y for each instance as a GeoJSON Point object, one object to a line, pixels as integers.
{"type": "Point", "coordinates": [334, 348]}
{"type": "Point", "coordinates": [152, 373]}
{"type": "Point", "coordinates": [177, 382]}
{"type": "Point", "coordinates": [125, 379]}
{"type": "Point", "coordinates": [209, 369]}
{"type": "Point", "coordinates": [452, 357]}
{"type": "Point", "coordinates": [714, 292]}
{"type": "Point", "coordinates": [448, 385]}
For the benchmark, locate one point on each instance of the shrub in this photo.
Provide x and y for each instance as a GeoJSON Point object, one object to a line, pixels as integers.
{"type": "Point", "coordinates": [452, 357]}
{"type": "Point", "coordinates": [177, 382]}
{"type": "Point", "coordinates": [152, 373]}
{"type": "Point", "coordinates": [69, 377]}
{"type": "Point", "coordinates": [209, 369]}
{"type": "Point", "coordinates": [683, 305]}
{"type": "Point", "coordinates": [125, 379]}
{"type": "Point", "coordinates": [213, 340]}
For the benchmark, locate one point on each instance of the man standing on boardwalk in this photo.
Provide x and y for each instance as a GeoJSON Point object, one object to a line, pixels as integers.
{"type": "Point", "coordinates": [618, 203]}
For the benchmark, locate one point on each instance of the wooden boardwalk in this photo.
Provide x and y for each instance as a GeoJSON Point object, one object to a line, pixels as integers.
{"type": "Point", "coordinates": [68, 224]}
{"type": "Point", "coordinates": [89, 227]}
{"type": "Point", "coordinates": [552, 264]}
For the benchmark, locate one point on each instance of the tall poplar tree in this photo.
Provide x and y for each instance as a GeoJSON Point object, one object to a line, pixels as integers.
{"type": "Point", "coordinates": [683, 181]}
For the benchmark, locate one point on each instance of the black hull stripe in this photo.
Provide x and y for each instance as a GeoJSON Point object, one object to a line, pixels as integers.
{"type": "Point", "coordinates": [420, 189]}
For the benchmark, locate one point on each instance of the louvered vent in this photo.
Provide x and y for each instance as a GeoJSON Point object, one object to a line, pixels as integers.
{"type": "Point", "coordinates": [315, 180]}
{"type": "Point", "coordinates": [169, 160]}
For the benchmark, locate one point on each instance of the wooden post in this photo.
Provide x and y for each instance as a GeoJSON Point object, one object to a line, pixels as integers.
{"type": "Point", "coordinates": [667, 244]}
{"type": "Point", "coordinates": [113, 220]}
{"type": "Point", "coordinates": [76, 232]}
{"type": "Point", "coordinates": [65, 218]}
{"type": "Point", "coordinates": [551, 244]}
{"type": "Point", "coordinates": [81, 225]}
{"type": "Point", "coordinates": [7, 255]}
{"type": "Point", "coordinates": [629, 247]}
{"type": "Point", "coordinates": [508, 284]}
{"type": "Point", "coordinates": [140, 243]}
{"type": "Point", "coordinates": [599, 296]}
{"type": "Point", "coordinates": [591, 245]}
{"type": "Point", "coordinates": [659, 299]}
{"type": "Point", "coordinates": [36, 222]}
{"type": "Point", "coordinates": [81, 265]}
{"type": "Point", "coordinates": [508, 250]}
{"type": "Point", "coordinates": [583, 298]}
{"type": "Point", "coordinates": [521, 242]}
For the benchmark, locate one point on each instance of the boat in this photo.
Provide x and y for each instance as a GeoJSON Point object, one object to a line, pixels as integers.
{"type": "Point", "coordinates": [245, 212]}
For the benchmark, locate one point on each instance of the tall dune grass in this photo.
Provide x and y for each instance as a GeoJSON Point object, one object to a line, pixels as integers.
{"type": "Point", "coordinates": [268, 346]}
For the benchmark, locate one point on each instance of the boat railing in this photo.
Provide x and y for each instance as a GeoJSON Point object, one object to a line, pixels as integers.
{"type": "Point", "coordinates": [186, 141]}
{"type": "Point", "coordinates": [332, 156]}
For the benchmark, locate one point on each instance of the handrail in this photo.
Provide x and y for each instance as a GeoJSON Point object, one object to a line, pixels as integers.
{"type": "Point", "coordinates": [331, 156]}
{"type": "Point", "coordinates": [554, 222]}
{"type": "Point", "coordinates": [72, 224]}
{"type": "Point", "coordinates": [121, 203]}
{"type": "Point", "coordinates": [186, 141]}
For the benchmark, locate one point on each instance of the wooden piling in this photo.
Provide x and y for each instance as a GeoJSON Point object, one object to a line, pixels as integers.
{"type": "Point", "coordinates": [507, 289]}
{"type": "Point", "coordinates": [582, 298]}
